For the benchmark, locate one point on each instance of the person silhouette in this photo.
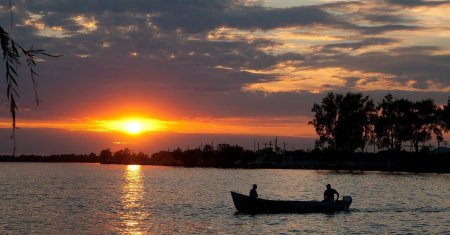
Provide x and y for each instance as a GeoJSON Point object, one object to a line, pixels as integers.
{"type": "Point", "coordinates": [328, 195]}
{"type": "Point", "coordinates": [253, 193]}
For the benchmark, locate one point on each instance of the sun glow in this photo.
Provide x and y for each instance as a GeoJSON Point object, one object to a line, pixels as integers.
{"type": "Point", "coordinates": [132, 126]}
{"type": "Point", "coordinates": [133, 167]}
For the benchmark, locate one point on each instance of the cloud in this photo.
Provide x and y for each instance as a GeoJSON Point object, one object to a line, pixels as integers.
{"type": "Point", "coordinates": [386, 18]}
{"type": "Point", "coordinates": [417, 3]}
{"type": "Point", "coordinates": [366, 42]}
{"type": "Point", "coordinates": [386, 28]}
{"type": "Point", "coordinates": [196, 17]}
{"type": "Point", "coordinates": [193, 16]}
{"type": "Point", "coordinates": [417, 67]}
{"type": "Point", "coordinates": [201, 56]}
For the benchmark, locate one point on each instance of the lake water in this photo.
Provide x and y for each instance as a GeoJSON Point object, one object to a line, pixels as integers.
{"type": "Point", "coordinates": [72, 198]}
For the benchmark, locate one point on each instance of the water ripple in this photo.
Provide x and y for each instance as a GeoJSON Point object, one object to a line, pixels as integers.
{"type": "Point", "coordinates": [116, 199]}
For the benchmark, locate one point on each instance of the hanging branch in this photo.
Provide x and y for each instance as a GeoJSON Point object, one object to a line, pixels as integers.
{"type": "Point", "coordinates": [31, 62]}
{"type": "Point", "coordinates": [12, 53]}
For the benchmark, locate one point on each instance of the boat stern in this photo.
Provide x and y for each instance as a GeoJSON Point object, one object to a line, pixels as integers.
{"type": "Point", "coordinates": [347, 201]}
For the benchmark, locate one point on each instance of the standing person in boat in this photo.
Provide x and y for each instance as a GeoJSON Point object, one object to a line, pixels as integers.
{"type": "Point", "coordinates": [253, 193]}
{"type": "Point", "coordinates": [328, 195]}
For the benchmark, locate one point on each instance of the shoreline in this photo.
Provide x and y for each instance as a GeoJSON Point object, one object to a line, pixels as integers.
{"type": "Point", "coordinates": [358, 162]}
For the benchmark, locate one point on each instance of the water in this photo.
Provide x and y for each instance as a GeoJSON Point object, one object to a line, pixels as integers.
{"type": "Point", "coordinates": [53, 198]}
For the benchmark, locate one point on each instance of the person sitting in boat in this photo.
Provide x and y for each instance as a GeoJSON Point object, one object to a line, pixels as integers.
{"type": "Point", "coordinates": [253, 193]}
{"type": "Point", "coordinates": [328, 195]}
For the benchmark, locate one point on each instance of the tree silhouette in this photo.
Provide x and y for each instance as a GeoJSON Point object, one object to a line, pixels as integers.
{"type": "Point", "coordinates": [391, 122]}
{"type": "Point", "coordinates": [105, 155]}
{"type": "Point", "coordinates": [443, 123]}
{"type": "Point", "coordinates": [422, 118]}
{"type": "Point", "coordinates": [343, 121]}
{"type": "Point", "coordinates": [445, 115]}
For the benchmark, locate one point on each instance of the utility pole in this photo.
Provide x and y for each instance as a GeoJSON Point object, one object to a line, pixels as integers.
{"type": "Point", "coordinates": [276, 144]}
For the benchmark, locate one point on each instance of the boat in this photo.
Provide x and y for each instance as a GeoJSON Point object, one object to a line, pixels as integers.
{"type": "Point", "coordinates": [247, 204]}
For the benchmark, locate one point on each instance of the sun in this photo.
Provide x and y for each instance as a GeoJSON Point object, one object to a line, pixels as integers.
{"type": "Point", "coordinates": [133, 127]}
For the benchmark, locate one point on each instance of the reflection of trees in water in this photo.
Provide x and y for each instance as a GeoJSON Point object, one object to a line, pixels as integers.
{"type": "Point", "coordinates": [133, 212]}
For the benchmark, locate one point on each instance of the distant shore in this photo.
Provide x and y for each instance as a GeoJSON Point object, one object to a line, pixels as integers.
{"type": "Point", "coordinates": [236, 157]}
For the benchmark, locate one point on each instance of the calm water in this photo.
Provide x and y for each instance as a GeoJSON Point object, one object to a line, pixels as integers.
{"type": "Point", "coordinates": [41, 198]}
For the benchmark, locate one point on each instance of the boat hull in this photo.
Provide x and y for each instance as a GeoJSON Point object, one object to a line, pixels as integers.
{"type": "Point", "coordinates": [246, 204]}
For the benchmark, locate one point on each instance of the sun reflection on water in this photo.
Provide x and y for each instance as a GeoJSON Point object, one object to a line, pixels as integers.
{"type": "Point", "coordinates": [133, 214]}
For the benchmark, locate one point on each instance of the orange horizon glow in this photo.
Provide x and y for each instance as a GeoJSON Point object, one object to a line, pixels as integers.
{"type": "Point", "coordinates": [136, 126]}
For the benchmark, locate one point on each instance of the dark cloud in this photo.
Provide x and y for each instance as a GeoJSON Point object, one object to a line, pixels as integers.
{"type": "Point", "coordinates": [247, 18]}
{"type": "Point", "coordinates": [416, 50]}
{"type": "Point", "coordinates": [387, 18]}
{"type": "Point", "coordinates": [96, 6]}
{"type": "Point", "coordinates": [406, 64]}
{"type": "Point", "coordinates": [371, 30]}
{"type": "Point", "coordinates": [369, 15]}
{"type": "Point", "coordinates": [416, 3]}
{"type": "Point", "coordinates": [175, 55]}
{"type": "Point", "coordinates": [196, 16]}
{"type": "Point", "coordinates": [361, 44]}
{"type": "Point", "coordinates": [351, 82]}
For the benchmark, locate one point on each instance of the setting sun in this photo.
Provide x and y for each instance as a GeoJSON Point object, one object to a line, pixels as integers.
{"type": "Point", "coordinates": [133, 127]}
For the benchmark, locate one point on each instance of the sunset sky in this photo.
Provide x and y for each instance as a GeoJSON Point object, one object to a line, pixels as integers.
{"type": "Point", "coordinates": [184, 72]}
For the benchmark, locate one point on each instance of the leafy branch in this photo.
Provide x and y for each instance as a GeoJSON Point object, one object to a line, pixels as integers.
{"type": "Point", "coordinates": [12, 53]}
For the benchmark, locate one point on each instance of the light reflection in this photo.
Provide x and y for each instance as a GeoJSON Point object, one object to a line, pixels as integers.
{"type": "Point", "coordinates": [133, 213]}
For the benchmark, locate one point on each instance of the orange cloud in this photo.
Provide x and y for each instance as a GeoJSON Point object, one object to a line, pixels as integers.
{"type": "Point", "coordinates": [290, 79]}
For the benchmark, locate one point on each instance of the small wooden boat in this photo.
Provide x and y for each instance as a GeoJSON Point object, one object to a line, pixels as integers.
{"type": "Point", "coordinates": [246, 204]}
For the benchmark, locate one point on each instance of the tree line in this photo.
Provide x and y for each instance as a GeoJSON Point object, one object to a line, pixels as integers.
{"type": "Point", "coordinates": [224, 155]}
{"type": "Point", "coordinates": [352, 121]}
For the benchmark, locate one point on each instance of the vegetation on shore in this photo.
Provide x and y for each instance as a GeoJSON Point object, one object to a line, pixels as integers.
{"type": "Point", "coordinates": [227, 156]}
{"type": "Point", "coordinates": [352, 121]}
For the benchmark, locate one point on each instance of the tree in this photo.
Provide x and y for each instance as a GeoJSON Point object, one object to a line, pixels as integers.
{"type": "Point", "coordinates": [442, 122]}
{"type": "Point", "coordinates": [13, 53]}
{"type": "Point", "coordinates": [367, 120]}
{"type": "Point", "coordinates": [343, 121]}
{"type": "Point", "coordinates": [391, 122]}
{"type": "Point", "coordinates": [444, 118]}
{"type": "Point", "coordinates": [326, 118]}
{"type": "Point", "coordinates": [422, 118]}
{"type": "Point", "coordinates": [105, 155]}
{"type": "Point", "coordinates": [123, 153]}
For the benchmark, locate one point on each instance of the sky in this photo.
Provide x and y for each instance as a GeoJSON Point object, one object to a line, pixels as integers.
{"type": "Point", "coordinates": [187, 72]}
